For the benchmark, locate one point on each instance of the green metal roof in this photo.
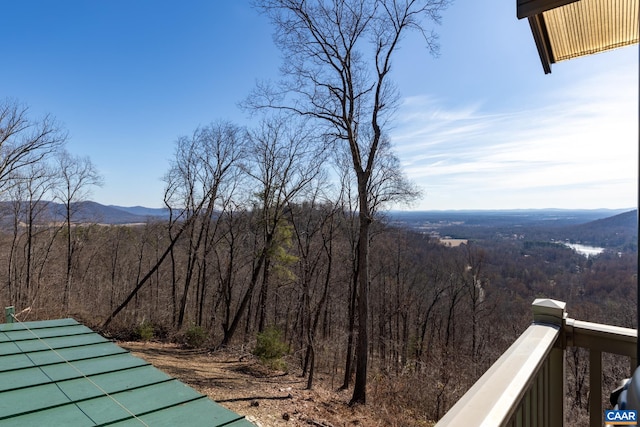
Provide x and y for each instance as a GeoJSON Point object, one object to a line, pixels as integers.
{"type": "Point", "coordinates": [61, 373]}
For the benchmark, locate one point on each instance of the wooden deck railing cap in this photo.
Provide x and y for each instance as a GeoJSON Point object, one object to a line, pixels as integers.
{"type": "Point", "coordinates": [548, 311]}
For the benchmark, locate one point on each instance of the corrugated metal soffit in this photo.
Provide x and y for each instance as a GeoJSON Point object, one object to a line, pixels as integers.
{"type": "Point", "coordinates": [591, 26]}
{"type": "Point", "coordinates": [565, 29]}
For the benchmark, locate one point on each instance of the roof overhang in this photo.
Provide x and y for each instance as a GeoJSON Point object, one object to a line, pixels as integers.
{"type": "Point", "coordinates": [565, 29]}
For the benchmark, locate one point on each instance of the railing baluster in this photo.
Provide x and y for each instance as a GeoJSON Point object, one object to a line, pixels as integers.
{"type": "Point", "coordinates": [595, 388]}
{"type": "Point", "coordinates": [528, 408]}
{"type": "Point", "coordinates": [534, 402]}
{"type": "Point", "coordinates": [545, 392]}
{"type": "Point", "coordinates": [556, 387]}
{"type": "Point", "coordinates": [541, 397]}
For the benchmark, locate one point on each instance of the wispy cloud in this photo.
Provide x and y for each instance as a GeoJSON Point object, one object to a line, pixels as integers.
{"type": "Point", "coordinates": [577, 150]}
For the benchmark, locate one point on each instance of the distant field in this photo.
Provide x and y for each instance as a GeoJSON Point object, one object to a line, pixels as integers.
{"type": "Point", "coordinates": [453, 242]}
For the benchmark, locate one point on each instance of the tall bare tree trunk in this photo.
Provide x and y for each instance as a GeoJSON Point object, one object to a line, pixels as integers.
{"type": "Point", "coordinates": [362, 347]}
{"type": "Point", "coordinates": [348, 369]}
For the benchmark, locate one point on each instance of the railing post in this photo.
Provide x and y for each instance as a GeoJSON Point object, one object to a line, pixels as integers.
{"type": "Point", "coordinates": [8, 314]}
{"type": "Point", "coordinates": [552, 312]}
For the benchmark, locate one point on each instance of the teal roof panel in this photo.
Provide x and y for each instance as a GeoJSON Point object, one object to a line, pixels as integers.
{"type": "Point", "coordinates": [62, 373]}
{"type": "Point", "coordinates": [11, 361]}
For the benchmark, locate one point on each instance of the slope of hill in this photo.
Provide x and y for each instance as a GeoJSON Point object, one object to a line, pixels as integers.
{"type": "Point", "coordinates": [92, 212]}
{"type": "Point", "coordinates": [88, 212]}
{"type": "Point", "coordinates": [613, 229]}
{"type": "Point", "coordinates": [619, 231]}
{"type": "Point", "coordinates": [143, 212]}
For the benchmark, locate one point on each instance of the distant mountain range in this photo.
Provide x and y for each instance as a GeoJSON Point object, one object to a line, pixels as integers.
{"type": "Point", "coordinates": [91, 212]}
{"type": "Point", "coordinates": [602, 227]}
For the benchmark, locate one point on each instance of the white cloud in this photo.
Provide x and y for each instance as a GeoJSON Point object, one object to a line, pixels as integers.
{"type": "Point", "coordinates": [578, 150]}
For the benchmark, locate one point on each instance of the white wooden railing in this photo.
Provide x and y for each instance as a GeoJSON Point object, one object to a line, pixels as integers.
{"type": "Point", "coordinates": [526, 385]}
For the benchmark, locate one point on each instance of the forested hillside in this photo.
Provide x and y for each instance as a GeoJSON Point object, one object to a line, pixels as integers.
{"type": "Point", "coordinates": [440, 315]}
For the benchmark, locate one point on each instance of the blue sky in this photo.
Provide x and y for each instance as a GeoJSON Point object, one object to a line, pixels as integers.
{"type": "Point", "coordinates": [479, 127]}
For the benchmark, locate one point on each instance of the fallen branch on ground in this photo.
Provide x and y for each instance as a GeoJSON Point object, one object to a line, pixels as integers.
{"type": "Point", "coordinates": [241, 399]}
{"type": "Point", "coordinates": [318, 423]}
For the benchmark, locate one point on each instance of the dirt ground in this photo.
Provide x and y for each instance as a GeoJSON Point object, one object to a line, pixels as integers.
{"type": "Point", "coordinates": [239, 382]}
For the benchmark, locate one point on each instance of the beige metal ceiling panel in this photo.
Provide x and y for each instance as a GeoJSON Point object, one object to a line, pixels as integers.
{"type": "Point", "coordinates": [590, 26]}
{"type": "Point", "coordinates": [565, 29]}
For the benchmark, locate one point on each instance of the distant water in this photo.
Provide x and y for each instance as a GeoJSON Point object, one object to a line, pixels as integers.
{"type": "Point", "coordinates": [584, 249]}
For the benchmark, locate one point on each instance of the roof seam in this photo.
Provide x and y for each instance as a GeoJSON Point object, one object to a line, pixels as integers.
{"type": "Point", "coordinates": [122, 351]}
{"type": "Point", "coordinates": [142, 414]}
{"type": "Point", "coordinates": [51, 336]}
{"type": "Point", "coordinates": [24, 326]}
{"type": "Point", "coordinates": [64, 347]}
{"type": "Point", "coordinates": [147, 364]}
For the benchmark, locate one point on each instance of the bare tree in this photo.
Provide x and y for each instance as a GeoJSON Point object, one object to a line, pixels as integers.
{"type": "Point", "coordinates": [348, 202]}
{"type": "Point", "coordinates": [194, 182]}
{"type": "Point", "coordinates": [313, 225]}
{"type": "Point", "coordinates": [199, 176]}
{"type": "Point", "coordinates": [24, 141]}
{"type": "Point", "coordinates": [283, 162]}
{"type": "Point", "coordinates": [31, 187]}
{"type": "Point", "coordinates": [475, 280]}
{"type": "Point", "coordinates": [229, 260]}
{"type": "Point", "coordinates": [339, 55]}
{"type": "Point", "coordinates": [77, 175]}
{"type": "Point", "coordinates": [388, 185]}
